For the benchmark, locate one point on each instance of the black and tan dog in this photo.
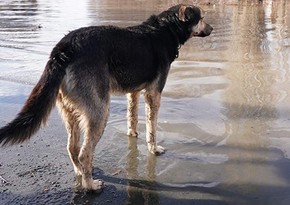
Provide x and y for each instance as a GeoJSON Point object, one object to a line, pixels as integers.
{"type": "Point", "coordinates": [89, 64]}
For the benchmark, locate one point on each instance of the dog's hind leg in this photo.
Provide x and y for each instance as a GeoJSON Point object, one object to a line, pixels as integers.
{"type": "Point", "coordinates": [152, 104]}
{"type": "Point", "coordinates": [71, 121]}
{"type": "Point", "coordinates": [132, 113]}
{"type": "Point", "coordinates": [93, 123]}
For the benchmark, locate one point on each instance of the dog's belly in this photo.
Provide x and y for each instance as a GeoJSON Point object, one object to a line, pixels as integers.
{"type": "Point", "coordinates": [118, 89]}
{"type": "Point", "coordinates": [129, 73]}
{"type": "Point", "coordinates": [127, 82]}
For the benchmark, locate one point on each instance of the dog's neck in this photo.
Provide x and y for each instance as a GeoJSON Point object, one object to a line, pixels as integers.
{"type": "Point", "coordinates": [169, 24]}
{"type": "Point", "coordinates": [169, 21]}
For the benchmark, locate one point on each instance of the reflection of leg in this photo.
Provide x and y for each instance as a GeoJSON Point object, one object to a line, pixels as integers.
{"type": "Point", "coordinates": [151, 195]}
{"type": "Point", "coordinates": [132, 159]}
{"type": "Point", "coordinates": [140, 191]}
{"type": "Point", "coordinates": [132, 172]}
{"type": "Point", "coordinates": [150, 167]}
{"type": "Point", "coordinates": [152, 104]}
{"type": "Point", "coordinates": [132, 113]}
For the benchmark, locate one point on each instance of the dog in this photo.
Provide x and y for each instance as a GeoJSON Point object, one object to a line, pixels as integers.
{"type": "Point", "coordinates": [90, 64]}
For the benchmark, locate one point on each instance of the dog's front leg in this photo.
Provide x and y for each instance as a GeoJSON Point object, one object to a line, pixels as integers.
{"type": "Point", "coordinates": [152, 104]}
{"type": "Point", "coordinates": [132, 113]}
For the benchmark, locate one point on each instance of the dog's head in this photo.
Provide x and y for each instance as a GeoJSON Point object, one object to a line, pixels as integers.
{"type": "Point", "coordinates": [193, 18]}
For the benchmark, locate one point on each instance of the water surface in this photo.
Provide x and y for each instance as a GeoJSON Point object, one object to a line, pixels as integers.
{"type": "Point", "coordinates": [225, 115]}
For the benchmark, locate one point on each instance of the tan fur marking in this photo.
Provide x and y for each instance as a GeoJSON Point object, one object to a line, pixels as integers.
{"type": "Point", "coordinates": [152, 104]}
{"type": "Point", "coordinates": [72, 126]}
{"type": "Point", "coordinates": [198, 28]}
{"type": "Point", "coordinates": [132, 113]}
{"type": "Point", "coordinates": [181, 14]}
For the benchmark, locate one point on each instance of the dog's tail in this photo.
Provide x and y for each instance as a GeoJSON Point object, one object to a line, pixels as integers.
{"type": "Point", "coordinates": [40, 102]}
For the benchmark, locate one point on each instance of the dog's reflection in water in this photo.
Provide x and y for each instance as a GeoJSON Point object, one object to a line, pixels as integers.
{"type": "Point", "coordinates": [141, 189]}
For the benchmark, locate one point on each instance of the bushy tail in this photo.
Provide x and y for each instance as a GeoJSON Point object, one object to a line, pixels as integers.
{"type": "Point", "coordinates": [40, 102]}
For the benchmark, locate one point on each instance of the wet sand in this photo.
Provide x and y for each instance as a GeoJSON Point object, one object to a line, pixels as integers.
{"type": "Point", "coordinates": [224, 118]}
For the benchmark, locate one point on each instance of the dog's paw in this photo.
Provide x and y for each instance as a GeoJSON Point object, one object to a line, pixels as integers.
{"type": "Point", "coordinates": [157, 150]}
{"type": "Point", "coordinates": [93, 185]}
{"type": "Point", "coordinates": [132, 133]}
{"type": "Point", "coordinates": [97, 185]}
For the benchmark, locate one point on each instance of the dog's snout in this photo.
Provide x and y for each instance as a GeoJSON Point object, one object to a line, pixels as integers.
{"type": "Point", "coordinates": [206, 31]}
{"type": "Point", "coordinates": [210, 28]}
{"type": "Point", "coordinates": [202, 30]}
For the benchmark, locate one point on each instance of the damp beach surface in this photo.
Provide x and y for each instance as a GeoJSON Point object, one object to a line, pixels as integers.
{"type": "Point", "coordinates": [224, 117]}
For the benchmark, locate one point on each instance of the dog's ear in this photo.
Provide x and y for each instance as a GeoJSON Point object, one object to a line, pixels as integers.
{"type": "Point", "coordinates": [182, 13]}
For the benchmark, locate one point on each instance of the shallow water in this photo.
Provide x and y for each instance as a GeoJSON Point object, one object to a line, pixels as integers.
{"type": "Point", "coordinates": [225, 116]}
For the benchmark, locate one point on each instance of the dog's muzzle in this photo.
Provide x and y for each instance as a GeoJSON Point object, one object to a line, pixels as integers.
{"type": "Point", "coordinates": [207, 31]}
{"type": "Point", "coordinates": [202, 30]}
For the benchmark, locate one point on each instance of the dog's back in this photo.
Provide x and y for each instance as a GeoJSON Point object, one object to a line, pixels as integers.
{"type": "Point", "coordinates": [133, 56]}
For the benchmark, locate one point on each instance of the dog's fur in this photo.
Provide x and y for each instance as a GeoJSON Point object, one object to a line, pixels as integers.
{"type": "Point", "coordinates": [89, 64]}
